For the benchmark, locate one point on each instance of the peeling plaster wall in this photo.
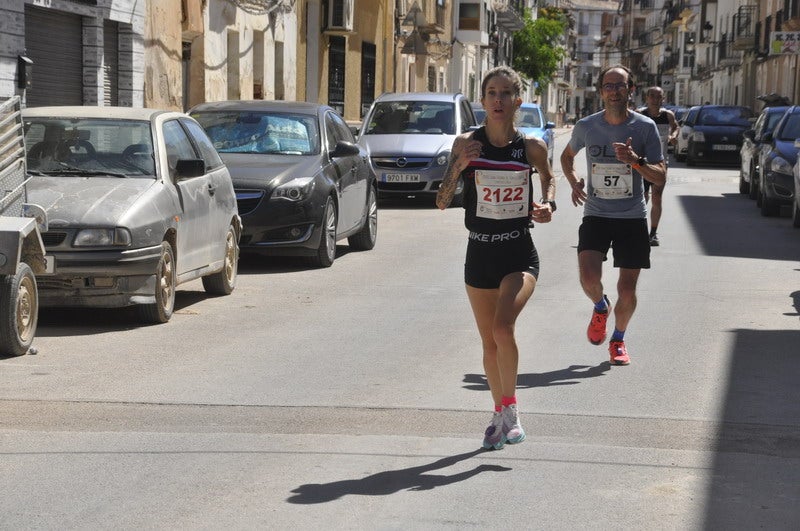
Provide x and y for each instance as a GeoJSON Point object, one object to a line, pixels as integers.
{"type": "Point", "coordinates": [229, 73]}
{"type": "Point", "coordinates": [163, 80]}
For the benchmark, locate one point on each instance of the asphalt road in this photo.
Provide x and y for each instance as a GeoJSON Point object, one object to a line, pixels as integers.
{"type": "Point", "coordinates": [353, 397]}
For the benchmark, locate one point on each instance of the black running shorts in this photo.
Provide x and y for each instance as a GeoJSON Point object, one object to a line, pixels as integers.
{"type": "Point", "coordinates": [628, 238]}
{"type": "Point", "coordinates": [490, 257]}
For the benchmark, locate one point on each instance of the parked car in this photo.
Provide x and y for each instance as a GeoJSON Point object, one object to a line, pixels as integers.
{"type": "Point", "coordinates": [686, 126]}
{"type": "Point", "coordinates": [409, 137]}
{"type": "Point", "coordinates": [138, 201]}
{"type": "Point", "coordinates": [716, 134]}
{"type": "Point", "coordinates": [796, 202]}
{"type": "Point", "coordinates": [753, 148]}
{"type": "Point", "coordinates": [302, 183]}
{"type": "Point", "coordinates": [775, 181]}
{"type": "Point", "coordinates": [480, 112]}
{"type": "Point", "coordinates": [532, 122]}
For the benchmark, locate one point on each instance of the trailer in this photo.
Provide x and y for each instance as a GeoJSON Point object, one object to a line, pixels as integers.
{"type": "Point", "coordinates": [22, 252]}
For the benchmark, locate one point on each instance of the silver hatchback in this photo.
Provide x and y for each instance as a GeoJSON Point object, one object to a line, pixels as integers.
{"type": "Point", "coordinates": [409, 137]}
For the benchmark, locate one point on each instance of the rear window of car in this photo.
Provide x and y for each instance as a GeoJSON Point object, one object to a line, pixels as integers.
{"type": "Point", "coordinates": [261, 133]}
{"type": "Point", "coordinates": [412, 117]}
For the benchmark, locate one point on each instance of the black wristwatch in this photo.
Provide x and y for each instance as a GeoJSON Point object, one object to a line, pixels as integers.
{"type": "Point", "coordinates": [642, 161]}
{"type": "Point", "coordinates": [551, 203]}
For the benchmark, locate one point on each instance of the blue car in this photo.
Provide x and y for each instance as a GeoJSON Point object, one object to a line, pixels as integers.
{"type": "Point", "coordinates": [775, 180]}
{"type": "Point", "coordinates": [531, 121]}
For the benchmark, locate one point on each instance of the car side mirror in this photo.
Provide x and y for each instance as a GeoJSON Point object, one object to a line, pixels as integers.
{"type": "Point", "coordinates": [345, 149]}
{"type": "Point", "coordinates": [550, 125]}
{"type": "Point", "coordinates": [188, 168]}
{"type": "Point", "coordinates": [766, 138]}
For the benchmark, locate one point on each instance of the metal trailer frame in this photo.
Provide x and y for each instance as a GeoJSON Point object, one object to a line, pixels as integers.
{"type": "Point", "coordinates": [22, 252]}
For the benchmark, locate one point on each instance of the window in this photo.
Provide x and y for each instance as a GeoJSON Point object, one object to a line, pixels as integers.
{"type": "Point", "coordinates": [367, 76]}
{"type": "Point", "coordinates": [469, 16]}
{"type": "Point", "coordinates": [178, 145]}
{"type": "Point", "coordinates": [207, 150]}
{"type": "Point", "coordinates": [336, 80]}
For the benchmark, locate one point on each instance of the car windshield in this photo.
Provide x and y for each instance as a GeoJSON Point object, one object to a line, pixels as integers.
{"type": "Point", "coordinates": [738, 116]}
{"type": "Point", "coordinates": [791, 128]}
{"type": "Point", "coordinates": [89, 147]}
{"type": "Point", "coordinates": [529, 118]}
{"type": "Point", "coordinates": [261, 133]}
{"type": "Point", "coordinates": [412, 117]}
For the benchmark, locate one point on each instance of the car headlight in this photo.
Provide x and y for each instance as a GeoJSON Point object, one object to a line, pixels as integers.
{"type": "Point", "coordinates": [297, 189]}
{"type": "Point", "coordinates": [779, 165]}
{"type": "Point", "coordinates": [102, 237]}
{"type": "Point", "coordinates": [443, 159]}
{"type": "Point", "coordinates": [698, 136]}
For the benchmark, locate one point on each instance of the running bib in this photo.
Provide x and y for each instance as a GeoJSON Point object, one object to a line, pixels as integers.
{"type": "Point", "coordinates": [502, 194]}
{"type": "Point", "coordinates": [612, 181]}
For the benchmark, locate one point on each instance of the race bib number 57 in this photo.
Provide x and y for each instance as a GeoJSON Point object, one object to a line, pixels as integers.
{"type": "Point", "coordinates": [612, 181]}
{"type": "Point", "coordinates": [502, 194]}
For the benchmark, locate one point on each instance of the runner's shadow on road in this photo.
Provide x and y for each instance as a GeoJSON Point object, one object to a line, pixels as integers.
{"type": "Point", "coordinates": [414, 478]}
{"type": "Point", "coordinates": [568, 376]}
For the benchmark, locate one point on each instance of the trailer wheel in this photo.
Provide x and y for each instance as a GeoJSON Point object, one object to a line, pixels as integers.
{"type": "Point", "coordinates": [19, 311]}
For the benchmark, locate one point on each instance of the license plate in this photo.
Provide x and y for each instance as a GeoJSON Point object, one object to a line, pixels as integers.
{"type": "Point", "coordinates": [50, 264]}
{"type": "Point", "coordinates": [724, 147]}
{"type": "Point", "coordinates": [401, 177]}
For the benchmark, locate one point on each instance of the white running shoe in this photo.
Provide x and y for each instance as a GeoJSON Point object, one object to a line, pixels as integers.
{"type": "Point", "coordinates": [512, 429]}
{"type": "Point", "coordinates": [493, 437]}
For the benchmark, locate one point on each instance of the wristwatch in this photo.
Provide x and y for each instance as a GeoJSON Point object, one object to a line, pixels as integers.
{"type": "Point", "coordinates": [551, 203]}
{"type": "Point", "coordinates": [642, 161]}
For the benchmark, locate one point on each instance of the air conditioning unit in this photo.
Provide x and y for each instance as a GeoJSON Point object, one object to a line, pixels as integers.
{"type": "Point", "coordinates": [340, 15]}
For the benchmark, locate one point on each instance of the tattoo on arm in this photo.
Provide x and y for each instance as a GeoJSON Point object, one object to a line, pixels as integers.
{"type": "Point", "coordinates": [448, 187]}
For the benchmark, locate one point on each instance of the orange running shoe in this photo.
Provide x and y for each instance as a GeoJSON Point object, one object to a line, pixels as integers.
{"type": "Point", "coordinates": [618, 353]}
{"type": "Point", "coordinates": [597, 326]}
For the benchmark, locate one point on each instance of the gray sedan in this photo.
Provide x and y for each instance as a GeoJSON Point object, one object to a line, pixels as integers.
{"type": "Point", "coordinates": [138, 201]}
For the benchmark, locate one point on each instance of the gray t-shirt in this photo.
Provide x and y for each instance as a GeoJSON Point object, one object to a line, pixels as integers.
{"type": "Point", "coordinates": [615, 189]}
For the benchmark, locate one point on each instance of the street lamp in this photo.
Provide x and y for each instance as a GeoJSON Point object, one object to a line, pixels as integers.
{"type": "Point", "coordinates": [690, 51]}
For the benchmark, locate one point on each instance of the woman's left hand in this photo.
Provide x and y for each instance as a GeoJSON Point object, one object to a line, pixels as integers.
{"type": "Point", "coordinates": [541, 213]}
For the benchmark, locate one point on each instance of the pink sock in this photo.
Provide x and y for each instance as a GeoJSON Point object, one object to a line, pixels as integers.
{"type": "Point", "coordinates": [508, 400]}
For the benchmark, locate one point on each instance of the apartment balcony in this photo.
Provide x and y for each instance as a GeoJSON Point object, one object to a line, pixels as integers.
{"type": "Point", "coordinates": [744, 22]}
{"type": "Point", "coordinates": [472, 24]}
{"type": "Point", "coordinates": [509, 14]}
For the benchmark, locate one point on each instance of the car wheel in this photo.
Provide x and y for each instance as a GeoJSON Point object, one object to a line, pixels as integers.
{"type": "Point", "coordinates": [223, 281]}
{"type": "Point", "coordinates": [19, 311]}
{"type": "Point", "coordinates": [326, 252]}
{"type": "Point", "coordinates": [796, 216]}
{"type": "Point", "coordinates": [744, 186]}
{"type": "Point", "coordinates": [365, 239]}
{"type": "Point", "coordinates": [161, 310]}
{"type": "Point", "coordinates": [769, 207]}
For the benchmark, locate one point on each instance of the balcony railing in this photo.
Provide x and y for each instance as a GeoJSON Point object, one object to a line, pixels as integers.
{"type": "Point", "coordinates": [744, 36]}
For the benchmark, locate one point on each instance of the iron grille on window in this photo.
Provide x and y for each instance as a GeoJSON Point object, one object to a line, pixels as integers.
{"type": "Point", "coordinates": [367, 76]}
{"type": "Point", "coordinates": [336, 80]}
